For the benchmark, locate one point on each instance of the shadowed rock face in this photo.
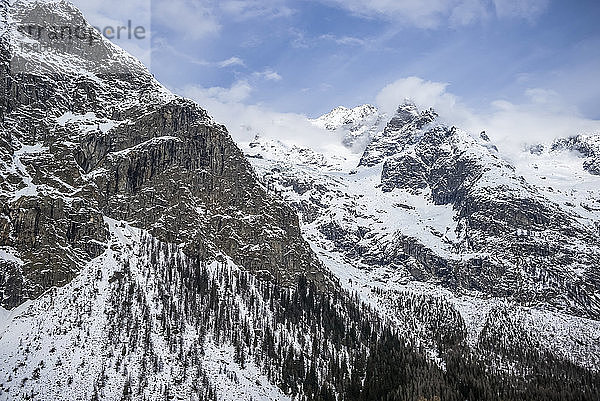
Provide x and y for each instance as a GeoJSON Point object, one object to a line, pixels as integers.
{"type": "Point", "coordinates": [404, 172]}
{"type": "Point", "coordinates": [77, 147]}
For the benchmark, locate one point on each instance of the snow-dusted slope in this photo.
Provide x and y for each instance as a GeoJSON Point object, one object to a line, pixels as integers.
{"type": "Point", "coordinates": [142, 257]}
{"type": "Point", "coordinates": [46, 344]}
{"type": "Point", "coordinates": [564, 171]}
{"type": "Point", "coordinates": [432, 210]}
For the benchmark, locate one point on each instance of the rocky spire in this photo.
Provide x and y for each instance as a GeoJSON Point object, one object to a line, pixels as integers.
{"type": "Point", "coordinates": [403, 129]}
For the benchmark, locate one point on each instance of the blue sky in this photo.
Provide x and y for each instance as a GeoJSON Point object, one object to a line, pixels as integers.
{"type": "Point", "coordinates": [475, 57]}
{"type": "Point", "coordinates": [327, 54]}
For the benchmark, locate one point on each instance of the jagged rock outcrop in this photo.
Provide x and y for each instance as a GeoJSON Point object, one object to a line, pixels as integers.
{"type": "Point", "coordinates": [400, 132]}
{"type": "Point", "coordinates": [405, 172]}
{"type": "Point", "coordinates": [492, 204]}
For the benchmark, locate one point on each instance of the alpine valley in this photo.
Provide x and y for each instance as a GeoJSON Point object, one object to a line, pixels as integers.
{"type": "Point", "coordinates": [145, 255]}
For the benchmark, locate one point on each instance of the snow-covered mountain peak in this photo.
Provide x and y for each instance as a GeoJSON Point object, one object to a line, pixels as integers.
{"type": "Point", "coordinates": [405, 127]}
{"type": "Point", "coordinates": [343, 116]}
{"type": "Point", "coordinates": [355, 126]}
{"type": "Point", "coordinates": [42, 33]}
{"type": "Point", "coordinates": [582, 146]}
{"type": "Point", "coordinates": [432, 204]}
{"type": "Point", "coordinates": [407, 110]}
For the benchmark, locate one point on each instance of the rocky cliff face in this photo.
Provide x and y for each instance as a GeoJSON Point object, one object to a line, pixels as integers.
{"type": "Point", "coordinates": [401, 131]}
{"type": "Point", "coordinates": [141, 256]}
{"type": "Point", "coordinates": [80, 144]}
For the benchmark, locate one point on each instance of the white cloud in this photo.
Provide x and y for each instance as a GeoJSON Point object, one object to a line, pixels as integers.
{"type": "Point", "coordinates": [269, 75]}
{"type": "Point", "coordinates": [245, 121]}
{"type": "Point", "coordinates": [298, 39]}
{"type": "Point", "coordinates": [238, 92]}
{"type": "Point", "coordinates": [423, 93]}
{"type": "Point", "coordinates": [105, 12]}
{"type": "Point", "coordinates": [248, 9]}
{"type": "Point", "coordinates": [518, 124]}
{"type": "Point", "coordinates": [543, 96]}
{"type": "Point", "coordinates": [468, 12]}
{"type": "Point", "coordinates": [344, 40]}
{"type": "Point", "coordinates": [542, 117]}
{"type": "Point", "coordinates": [163, 44]}
{"type": "Point", "coordinates": [190, 19]}
{"type": "Point", "coordinates": [231, 62]}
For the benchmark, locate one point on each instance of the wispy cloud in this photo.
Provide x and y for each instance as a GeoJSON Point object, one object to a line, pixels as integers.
{"type": "Point", "coordinates": [268, 74]}
{"type": "Point", "coordinates": [432, 14]}
{"type": "Point", "coordinates": [541, 117]}
{"type": "Point", "coordinates": [162, 44]}
{"type": "Point", "coordinates": [236, 93]}
{"type": "Point", "coordinates": [232, 61]}
{"type": "Point", "coordinates": [343, 40]}
{"type": "Point", "coordinates": [468, 12]}
{"type": "Point", "coordinates": [244, 121]}
{"type": "Point", "coordinates": [298, 38]}
{"type": "Point", "coordinates": [423, 93]}
{"type": "Point", "coordinates": [302, 40]}
{"type": "Point", "coordinates": [529, 9]}
{"type": "Point", "coordinates": [249, 9]}
{"type": "Point", "coordinates": [187, 18]}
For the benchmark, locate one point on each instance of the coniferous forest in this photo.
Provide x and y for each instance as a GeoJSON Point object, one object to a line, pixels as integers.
{"type": "Point", "coordinates": [312, 345]}
{"type": "Point", "coordinates": [238, 241]}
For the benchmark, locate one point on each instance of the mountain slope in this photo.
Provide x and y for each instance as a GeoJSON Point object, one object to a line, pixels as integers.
{"type": "Point", "coordinates": [142, 258]}
{"type": "Point", "coordinates": [435, 212]}
{"type": "Point", "coordinates": [82, 144]}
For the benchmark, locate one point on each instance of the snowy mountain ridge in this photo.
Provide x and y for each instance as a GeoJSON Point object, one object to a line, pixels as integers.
{"type": "Point", "coordinates": [145, 256]}
{"type": "Point", "coordinates": [356, 126]}
{"type": "Point", "coordinates": [402, 221]}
